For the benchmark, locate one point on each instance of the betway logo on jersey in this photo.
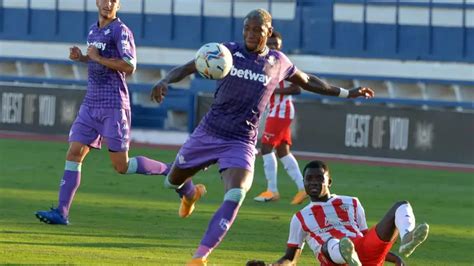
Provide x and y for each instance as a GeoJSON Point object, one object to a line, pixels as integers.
{"type": "Point", "coordinates": [99, 45]}
{"type": "Point", "coordinates": [250, 75]}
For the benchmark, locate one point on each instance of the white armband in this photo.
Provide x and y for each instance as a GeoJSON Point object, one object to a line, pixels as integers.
{"type": "Point", "coordinates": [343, 93]}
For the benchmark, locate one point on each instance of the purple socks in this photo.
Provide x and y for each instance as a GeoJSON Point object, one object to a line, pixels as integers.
{"type": "Point", "coordinates": [186, 190]}
{"type": "Point", "coordinates": [218, 227]}
{"type": "Point", "coordinates": [69, 184]}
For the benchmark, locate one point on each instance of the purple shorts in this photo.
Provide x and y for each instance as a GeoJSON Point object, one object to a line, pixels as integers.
{"type": "Point", "coordinates": [202, 150]}
{"type": "Point", "coordinates": [93, 124]}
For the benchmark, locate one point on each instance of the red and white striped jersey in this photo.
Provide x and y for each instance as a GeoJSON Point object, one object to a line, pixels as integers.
{"type": "Point", "coordinates": [281, 106]}
{"type": "Point", "coordinates": [317, 222]}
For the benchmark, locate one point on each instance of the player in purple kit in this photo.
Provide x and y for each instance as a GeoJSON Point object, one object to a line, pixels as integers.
{"type": "Point", "coordinates": [105, 111]}
{"type": "Point", "coordinates": [227, 134]}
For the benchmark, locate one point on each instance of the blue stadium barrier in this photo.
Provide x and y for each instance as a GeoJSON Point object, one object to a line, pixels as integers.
{"type": "Point", "coordinates": [176, 100]}
{"type": "Point", "coordinates": [314, 30]}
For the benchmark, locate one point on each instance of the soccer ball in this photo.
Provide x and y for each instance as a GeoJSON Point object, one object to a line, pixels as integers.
{"type": "Point", "coordinates": [213, 61]}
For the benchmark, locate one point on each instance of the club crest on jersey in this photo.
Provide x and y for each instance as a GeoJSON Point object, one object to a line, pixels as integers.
{"type": "Point", "coordinates": [98, 45]}
{"type": "Point", "coordinates": [271, 60]}
{"type": "Point", "coordinates": [239, 54]}
{"type": "Point", "coordinates": [106, 31]}
{"type": "Point", "coordinates": [125, 45]}
{"type": "Point", "coordinates": [250, 75]}
{"type": "Point", "coordinates": [124, 33]}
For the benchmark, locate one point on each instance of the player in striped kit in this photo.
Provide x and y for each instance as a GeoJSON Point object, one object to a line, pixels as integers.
{"type": "Point", "coordinates": [335, 227]}
{"type": "Point", "coordinates": [277, 135]}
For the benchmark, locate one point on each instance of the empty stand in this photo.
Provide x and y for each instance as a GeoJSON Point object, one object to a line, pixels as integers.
{"type": "Point", "coordinates": [59, 71]}
{"type": "Point", "coordinates": [8, 68]}
{"type": "Point", "coordinates": [443, 92]}
{"type": "Point", "coordinates": [379, 86]}
{"type": "Point", "coordinates": [467, 93]}
{"type": "Point", "coordinates": [407, 90]}
{"type": "Point", "coordinates": [147, 75]}
{"type": "Point", "coordinates": [31, 69]}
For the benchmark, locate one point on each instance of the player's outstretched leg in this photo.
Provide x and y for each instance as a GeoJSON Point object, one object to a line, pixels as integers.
{"type": "Point", "coordinates": [145, 166]}
{"type": "Point", "coordinates": [219, 224]}
{"type": "Point", "coordinates": [413, 239]}
{"type": "Point", "coordinates": [69, 185]}
{"type": "Point", "coordinates": [189, 194]}
{"type": "Point", "coordinates": [180, 180]}
{"type": "Point", "coordinates": [401, 217]}
{"type": "Point", "coordinates": [411, 236]}
{"type": "Point", "coordinates": [237, 182]}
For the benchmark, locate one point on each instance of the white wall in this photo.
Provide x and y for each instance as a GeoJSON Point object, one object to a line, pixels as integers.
{"type": "Point", "coordinates": [315, 64]}
{"type": "Point", "coordinates": [408, 15]}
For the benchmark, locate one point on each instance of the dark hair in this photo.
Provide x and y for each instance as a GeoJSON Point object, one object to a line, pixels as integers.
{"type": "Point", "coordinates": [276, 34]}
{"type": "Point", "coordinates": [263, 15]}
{"type": "Point", "coordinates": [317, 165]}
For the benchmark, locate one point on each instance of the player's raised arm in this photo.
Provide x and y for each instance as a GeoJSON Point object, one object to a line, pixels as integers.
{"type": "Point", "coordinates": [176, 74]}
{"type": "Point", "coordinates": [314, 84]}
{"type": "Point", "coordinates": [291, 89]}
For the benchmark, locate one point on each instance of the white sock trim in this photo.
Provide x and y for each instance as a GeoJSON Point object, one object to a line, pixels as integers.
{"type": "Point", "coordinates": [73, 166]}
{"type": "Point", "coordinates": [235, 195]}
{"type": "Point", "coordinates": [168, 184]}
{"type": "Point", "coordinates": [132, 165]}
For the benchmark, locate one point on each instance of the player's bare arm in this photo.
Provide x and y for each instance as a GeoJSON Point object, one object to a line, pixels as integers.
{"type": "Point", "coordinates": [290, 258]}
{"type": "Point", "coordinates": [112, 63]}
{"type": "Point", "coordinates": [394, 258]}
{"type": "Point", "coordinates": [314, 84]}
{"type": "Point", "coordinates": [174, 75]}
{"type": "Point", "coordinates": [75, 54]}
{"type": "Point", "coordinates": [290, 90]}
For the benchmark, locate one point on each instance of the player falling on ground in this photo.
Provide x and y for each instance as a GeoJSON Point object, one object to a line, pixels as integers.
{"type": "Point", "coordinates": [105, 111]}
{"type": "Point", "coordinates": [227, 134]}
{"type": "Point", "coordinates": [335, 227]}
{"type": "Point", "coordinates": [277, 134]}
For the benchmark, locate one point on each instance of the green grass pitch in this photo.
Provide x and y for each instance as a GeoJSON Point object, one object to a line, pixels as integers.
{"type": "Point", "coordinates": [132, 219]}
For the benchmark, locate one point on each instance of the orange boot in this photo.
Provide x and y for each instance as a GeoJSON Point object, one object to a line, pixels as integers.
{"type": "Point", "coordinates": [187, 205]}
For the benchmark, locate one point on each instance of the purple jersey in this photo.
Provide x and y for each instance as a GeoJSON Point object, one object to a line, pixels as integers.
{"type": "Point", "coordinates": [241, 96]}
{"type": "Point", "coordinates": [107, 88]}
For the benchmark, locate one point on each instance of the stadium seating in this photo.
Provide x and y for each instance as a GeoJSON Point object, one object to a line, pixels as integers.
{"type": "Point", "coordinates": [391, 32]}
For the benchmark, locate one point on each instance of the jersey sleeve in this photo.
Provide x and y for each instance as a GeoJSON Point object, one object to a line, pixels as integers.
{"type": "Point", "coordinates": [232, 46]}
{"type": "Point", "coordinates": [287, 69]}
{"type": "Point", "coordinates": [297, 234]}
{"type": "Point", "coordinates": [361, 221]}
{"type": "Point", "coordinates": [125, 43]}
